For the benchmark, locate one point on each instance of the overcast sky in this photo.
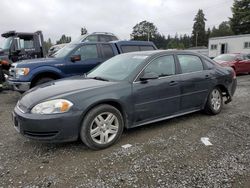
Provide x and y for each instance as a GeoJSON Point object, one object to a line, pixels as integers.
{"type": "Point", "coordinates": [57, 17]}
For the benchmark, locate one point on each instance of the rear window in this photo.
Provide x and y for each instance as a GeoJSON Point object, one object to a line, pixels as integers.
{"type": "Point", "coordinates": [129, 48]}
{"type": "Point", "coordinates": [146, 48]}
{"type": "Point", "coordinates": [226, 57]}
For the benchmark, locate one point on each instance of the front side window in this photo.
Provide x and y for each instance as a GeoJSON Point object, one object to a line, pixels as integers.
{"type": "Point", "coordinates": [63, 52]}
{"type": "Point", "coordinates": [119, 67]}
{"type": "Point", "coordinates": [129, 48]}
{"type": "Point", "coordinates": [162, 66]}
{"type": "Point", "coordinates": [7, 43]}
{"type": "Point", "coordinates": [87, 52]}
{"type": "Point", "coordinates": [190, 63]}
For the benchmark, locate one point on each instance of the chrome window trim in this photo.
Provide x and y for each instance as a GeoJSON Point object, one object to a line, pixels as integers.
{"type": "Point", "coordinates": [169, 75]}
{"type": "Point", "coordinates": [174, 75]}
{"type": "Point", "coordinates": [134, 81]}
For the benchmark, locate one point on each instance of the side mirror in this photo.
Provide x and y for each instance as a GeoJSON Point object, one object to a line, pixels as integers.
{"type": "Point", "coordinates": [17, 45]}
{"type": "Point", "coordinates": [149, 76]}
{"type": "Point", "coordinates": [75, 58]}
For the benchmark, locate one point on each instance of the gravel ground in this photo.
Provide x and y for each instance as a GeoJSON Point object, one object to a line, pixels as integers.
{"type": "Point", "coordinates": [165, 154]}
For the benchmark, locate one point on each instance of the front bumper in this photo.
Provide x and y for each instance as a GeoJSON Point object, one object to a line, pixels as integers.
{"type": "Point", "coordinates": [48, 128]}
{"type": "Point", "coordinates": [19, 86]}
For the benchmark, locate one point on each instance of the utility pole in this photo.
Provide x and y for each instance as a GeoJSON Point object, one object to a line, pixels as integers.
{"type": "Point", "coordinates": [196, 38]}
{"type": "Point", "coordinates": [148, 33]}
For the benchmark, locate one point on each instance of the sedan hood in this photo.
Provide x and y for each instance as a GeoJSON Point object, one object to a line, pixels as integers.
{"type": "Point", "coordinates": [59, 89]}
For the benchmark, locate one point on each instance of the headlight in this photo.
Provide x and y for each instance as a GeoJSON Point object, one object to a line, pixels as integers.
{"type": "Point", "coordinates": [22, 71]}
{"type": "Point", "coordinates": [52, 107]}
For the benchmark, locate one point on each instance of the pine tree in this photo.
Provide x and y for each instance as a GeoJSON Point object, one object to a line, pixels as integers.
{"type": "Point", "coordinates": [224, 29]}
{"type": "Point", "coordinates": [63, 39]}
{"type": "Point", "coordinates": [240, 22]}
{"type": "Point", "coordinates": [199, 32]}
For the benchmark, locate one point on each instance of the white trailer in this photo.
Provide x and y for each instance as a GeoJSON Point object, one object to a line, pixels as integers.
{"type": "Point", "coordinates": [229, 44]}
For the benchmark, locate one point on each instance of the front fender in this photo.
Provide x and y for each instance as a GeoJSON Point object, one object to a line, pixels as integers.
{"type": "Point", "coordinates": [45, 69]}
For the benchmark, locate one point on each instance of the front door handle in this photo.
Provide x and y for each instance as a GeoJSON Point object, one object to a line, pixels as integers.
{"type": "Point", "coordinates": [172, 83]}
{"type": "Point", "coordinates": [207, 76]}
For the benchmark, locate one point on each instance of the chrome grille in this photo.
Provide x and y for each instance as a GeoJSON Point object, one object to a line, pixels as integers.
{"type": "Point", "coordinates": [12, 72]}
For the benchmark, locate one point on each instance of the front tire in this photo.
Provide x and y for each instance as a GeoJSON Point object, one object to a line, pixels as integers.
{"type": "Point", "coordinates": [101, 127]}
{"type": "Point", "coordinates": [214, 102]}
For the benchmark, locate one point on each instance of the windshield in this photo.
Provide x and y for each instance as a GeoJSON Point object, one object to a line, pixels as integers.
{"type": "Point", "coordinates": [64, 51]}
{"type": "Point", "coordinates": [7, 43]}
{"type": "Point", "coordinates": [226, 57]}
{"type": "Point", "coordinates": [118, 68]}
{"type": "Point", "coordinates": [79, 39]}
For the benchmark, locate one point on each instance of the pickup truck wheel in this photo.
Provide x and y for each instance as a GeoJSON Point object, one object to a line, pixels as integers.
{"type": "Point", "coordinates": [43, 80]}
{"type": "Point", "coordinates": [214, 102]}
{"type": "Point", "coordinates": [101, 127]}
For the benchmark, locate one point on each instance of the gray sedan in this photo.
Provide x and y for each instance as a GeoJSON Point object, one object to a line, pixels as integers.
{"type": "Point", "coordinates": [128, 90]}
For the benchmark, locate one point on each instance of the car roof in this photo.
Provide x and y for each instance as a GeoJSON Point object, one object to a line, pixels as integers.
{"type": "Point", "coordinates": [132, 42]}
{"type": "Point", "coordinates": [158, 52]}
{"type": "Point", "coordinates": [119, 42]}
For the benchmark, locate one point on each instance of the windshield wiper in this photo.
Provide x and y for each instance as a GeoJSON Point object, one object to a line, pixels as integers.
{"type": "Point", "coordinates": [98, 78]}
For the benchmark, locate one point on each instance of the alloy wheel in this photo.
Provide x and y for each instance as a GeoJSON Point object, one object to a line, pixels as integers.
{"type": "Point", "coordinates": [216, 99]}
{"type": "Point", "coordinates": [104, 128]}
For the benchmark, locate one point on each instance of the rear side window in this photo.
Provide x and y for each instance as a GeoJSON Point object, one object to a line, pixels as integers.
{"type": "Point", "coordinates": [146, 48]}
{"type": "Point", "coordinates": [162, 66]}
{"type": "Point", "coordinates": [190, 63]}
{"type": "Point", "coordinates": [128, 48]}
{"type": "Point", "coordinates": [208, 63]}
{"type": "Point", "coordinates": [87, 52]}
{"type": "Point", "coordinates": [91, 38]}
{"type": "Point", "coordinates": [114, 38]}
{"type": "Point", "coordinates": [107, 51]}
{"type": "Point", "coordinates": [104, 38]}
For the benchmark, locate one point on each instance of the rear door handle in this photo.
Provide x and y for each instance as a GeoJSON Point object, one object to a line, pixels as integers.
{"type": "Point", "coordinates": [172, 83]}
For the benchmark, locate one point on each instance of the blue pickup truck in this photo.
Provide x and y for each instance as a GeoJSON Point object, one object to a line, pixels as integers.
{"type": "Point", "coordinates": [73, 59]}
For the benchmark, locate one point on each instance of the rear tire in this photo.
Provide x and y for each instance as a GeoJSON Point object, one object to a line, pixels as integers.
{"type": "Point", "coordinates": [43, 80]}
{"type": "Point", "coordinates": [214, 102]}
{"type": "Point", "coordinates": [101, 127]}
